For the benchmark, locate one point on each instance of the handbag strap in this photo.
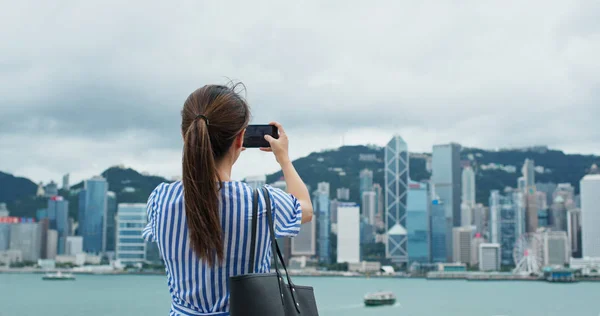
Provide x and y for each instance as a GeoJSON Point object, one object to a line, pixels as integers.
{"type": "Point", "coordinates": [277, 252]}
{"type": "Point", "coordinates": [253, 236]}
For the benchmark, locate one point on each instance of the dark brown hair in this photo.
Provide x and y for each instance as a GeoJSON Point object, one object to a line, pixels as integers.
{"type": "Point", "coordinates": [211, 118]}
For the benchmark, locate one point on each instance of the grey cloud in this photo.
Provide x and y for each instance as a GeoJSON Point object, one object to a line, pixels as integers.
{"type": "Point", "coordinates": [495, 75]}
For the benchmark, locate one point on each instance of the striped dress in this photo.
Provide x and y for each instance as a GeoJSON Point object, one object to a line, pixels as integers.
{"type": "Point", "coordinates": [197, 288]}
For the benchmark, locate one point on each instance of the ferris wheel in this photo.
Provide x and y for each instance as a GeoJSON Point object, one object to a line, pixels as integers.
{"type": "Point", "coordinates": [529, 254]}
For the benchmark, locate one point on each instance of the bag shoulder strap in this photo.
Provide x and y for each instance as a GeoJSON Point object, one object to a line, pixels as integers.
{"type": "Point", "coordinates": [254, 229]}
{"type": "Point", "coordinates": [277, 252]}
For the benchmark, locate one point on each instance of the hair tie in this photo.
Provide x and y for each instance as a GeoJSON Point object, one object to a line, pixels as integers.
{"type": "Point", "coordinates": [202, 117]}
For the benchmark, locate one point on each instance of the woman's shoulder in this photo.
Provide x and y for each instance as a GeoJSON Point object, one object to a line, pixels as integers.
{"type": "Point", "coordinates": [165, 188]}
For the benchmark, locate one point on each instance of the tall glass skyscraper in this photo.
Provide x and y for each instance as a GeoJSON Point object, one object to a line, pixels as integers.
{"type": "Point", "coordinates": [369, 206]}
{"type": "Point", "coordinates": [366, 181]}
{"type": "Point", "coordinates": [321, 199]}
{"type": "Point", "coordinates": [446, 177]}
{"type": "Point", "coordinates": [58, 217]}
{"type": "Point", "coordinates": [109, 226]}
{"type": "Point", "coordinates": [531, 200]}
{"type": "Point", "coordinates": [131, 220]}
{"type": "Point", "coordinates": [528, 171]}
{"type": "Point", "coordinates": [507, 222]}
{"type": "Point", "coordinates": [441, 232]}
{"type": "Point", "coordinates": [379, 200]}
{"type": "Point", "coordinates": [92, 210]}
{"type": "Point", "coordinates": [396, 185]}
{"type": "Point", "coordinates": [417, 222]}
{"type": "Point", "coordinates": [468, 186]}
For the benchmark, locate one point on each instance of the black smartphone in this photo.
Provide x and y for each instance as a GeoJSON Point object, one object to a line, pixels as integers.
{"type": "Point", "coordinates": [255, 135]}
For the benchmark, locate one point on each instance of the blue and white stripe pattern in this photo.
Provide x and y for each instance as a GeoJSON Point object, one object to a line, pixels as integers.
{"type": "Point", "coordinates": [199, 289]}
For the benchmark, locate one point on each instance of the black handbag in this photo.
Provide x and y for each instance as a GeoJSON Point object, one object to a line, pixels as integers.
{"type": "Point", "coordinates": [266, 294]}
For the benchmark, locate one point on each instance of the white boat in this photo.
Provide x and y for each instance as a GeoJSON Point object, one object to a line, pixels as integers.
{"type": "Point", "coordinates": [380, 298]}
{"type": "Point", "coordinates": [59, 276]}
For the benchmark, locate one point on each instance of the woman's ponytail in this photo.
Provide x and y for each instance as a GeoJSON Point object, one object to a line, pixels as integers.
{"type": "Point", "coordinates": [212, 117]}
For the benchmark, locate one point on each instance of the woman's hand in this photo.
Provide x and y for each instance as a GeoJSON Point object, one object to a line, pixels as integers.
{"type": "Point", "coordinates": [279, 146]}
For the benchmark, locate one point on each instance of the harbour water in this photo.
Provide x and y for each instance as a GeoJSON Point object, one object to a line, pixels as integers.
{"type": "Point", "coordinates": [115, 295]}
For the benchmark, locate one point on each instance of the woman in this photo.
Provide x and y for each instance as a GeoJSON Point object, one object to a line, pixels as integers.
{"type": "Point", "coordinates": [202, 224]}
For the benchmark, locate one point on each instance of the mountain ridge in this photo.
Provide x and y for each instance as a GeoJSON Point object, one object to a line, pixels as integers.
{"type": "Point", "coordinates": [340, 167]}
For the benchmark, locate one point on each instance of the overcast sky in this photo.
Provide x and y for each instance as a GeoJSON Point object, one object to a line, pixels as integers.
{"type": "Point", "coordinates": [85, 86]}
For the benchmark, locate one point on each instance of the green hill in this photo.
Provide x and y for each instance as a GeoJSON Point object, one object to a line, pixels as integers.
{"type": "Point", "coordinates": [340, 167]}
{"type": "Point", "coordinates": [13, 188]}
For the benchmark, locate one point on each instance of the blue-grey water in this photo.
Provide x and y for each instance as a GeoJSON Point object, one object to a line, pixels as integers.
{"type": "Point", "coordinates": [103, 295]}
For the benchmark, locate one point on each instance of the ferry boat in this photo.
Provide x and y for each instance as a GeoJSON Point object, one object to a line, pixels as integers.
{"type": "Point", "coordinates": [58, 276]}
{"type": "Point", "coordinates": [380, 299]}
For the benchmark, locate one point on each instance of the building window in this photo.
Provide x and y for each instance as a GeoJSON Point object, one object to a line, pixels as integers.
{"type": "Point", "coordinates": [131, 248]}
{"type": "Point", "coordinates": [132, 218]}
{"type": "Point", "coordinates": [130, 233]}
{"type": "Point", "coordinates": [132, 225]}
{"type": "Point", "coordinates": [131, 256]}
{"type": "Point", "coordinates": [131, 240]}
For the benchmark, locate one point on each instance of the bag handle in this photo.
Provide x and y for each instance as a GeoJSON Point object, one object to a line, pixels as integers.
{"type": "Point", "coordinates": [277, 252]}
{"type": "Point", "coordinates": [253, 236]}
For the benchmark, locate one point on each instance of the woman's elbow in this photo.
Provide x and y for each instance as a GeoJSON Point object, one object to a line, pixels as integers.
{"type": "Point", "coordinates": [307, 214]}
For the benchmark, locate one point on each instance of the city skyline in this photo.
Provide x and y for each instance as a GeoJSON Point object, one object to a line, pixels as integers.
{"type": "Point", "coordinates": [84, 96]}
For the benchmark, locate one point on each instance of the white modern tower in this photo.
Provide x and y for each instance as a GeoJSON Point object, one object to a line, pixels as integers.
{"type": "Point", "coordinates": [396, 185]}
{"type": "Point", "coordinates": [590, 215]}
{"type": "Point", "coordinates": [468, 186]}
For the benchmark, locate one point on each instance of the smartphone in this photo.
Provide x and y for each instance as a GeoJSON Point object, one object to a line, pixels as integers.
{"type": "Point", "coordinates": [255, 135]}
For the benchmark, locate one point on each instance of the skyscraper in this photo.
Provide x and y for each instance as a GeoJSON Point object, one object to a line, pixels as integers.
{"type": "Point", "coordinates": [343, 194]}
{"type": "Point", "coordinates": [366, 181]}
{"type": "Point", "coordinates": [475, 244]}
{"type": "Point", "coordinates": [305, 243]}
{"type": "Point", "coordinates": [396, 183]}
{"type": "Point", "coordinates": [461, 239]}
{"type": "Point", "coordinates": [109, 226]}
{"type": "Point", "coordinates": [131, 220]}
{"type": "Point", "coordinates": [480, 218]}
{"type": "Point", "coordinates": [51, 244]}
{"type": "Point", "coordinates": [58, 216]}
{"type": "Point", "coordinates": [506, 223]}
{"type": "Point", "coordinates": [528, 171]}
{"type": "Point", "coordinates": [468, 186]}
{"type": "Point", "coordinates": [521, 184]}
{"type": "Point", "coordinates": [556, 248]}
{"type": "Point", "coordinates": [65, 182]}
{"type": "Point", "coordinates": [567, 192]}
{"type": "Point", "coordinates": [369, 206]}
{"type": "Point", "coordinates": [574, 231]}
{"type": "Point", "coordinates": [441, 231]}
{"type": "Point", "coordinates": [468, 196]}
{"type": "Point", "coordinates": [322, 203]}
{"type": "Point", "coordinates": [92, 211]}
{"type": "Point", "coordinates": [466, 214]}
{"type": "Point", "coordinates": [489, 257]}
{"type": "Point", "coordinates": [417, 222]}
{"type": "Point", "coordinates": [558, 215]}
{"type": "Point", "coordinates": [348, 244]}
{"type": "Point", "coordinates": [531, 217]}
{"type": "Point", "coordinates": [590, 215]}
{"type": "Point", "coordinates": [26, 237]}
{"type": "Point", "coordinates": [333, 214]}
{"type": "Point", "coordinates": [74, 245]}
{"type": "Point", "coordinates": [446, 177]}
{"type": "Point", "coordinates": [379, 201]}
{"type": "Point", "coordinates": [548, 188]}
